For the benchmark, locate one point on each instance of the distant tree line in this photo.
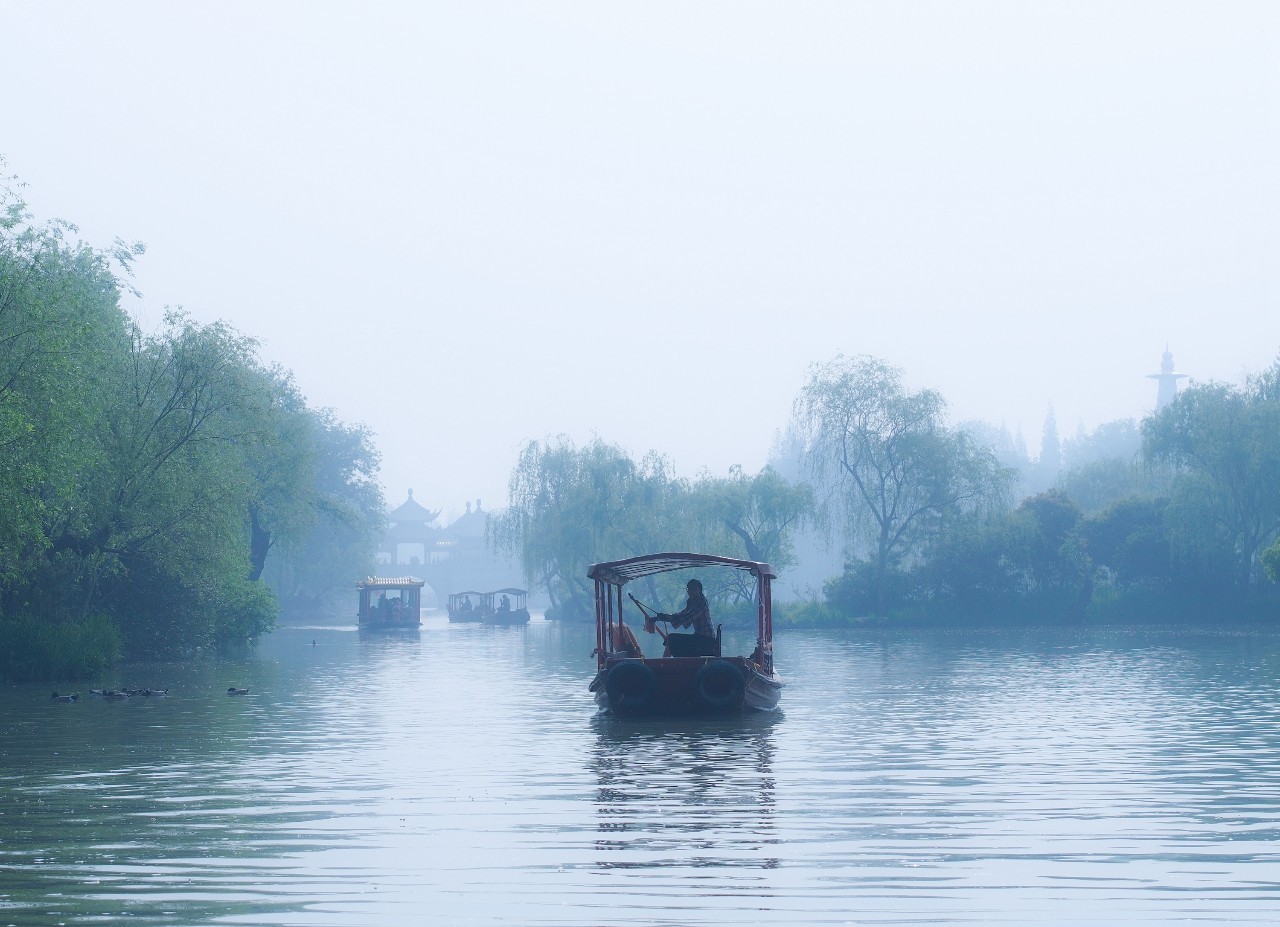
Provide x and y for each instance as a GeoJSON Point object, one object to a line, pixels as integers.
{"type": "Point", "coordinates": [150, 478]}
{"type": "Point", "coordinates": [1178, 516]}
{"type": "Point", "coordinates": [573, 506]}
{"type": "Point", "coordinates": [166, 492]}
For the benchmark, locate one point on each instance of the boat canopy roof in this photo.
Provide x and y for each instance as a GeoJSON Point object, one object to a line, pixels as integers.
{"type": "Point", "coordinates": [456, 595]}
{"type": "Point", "coordinates": [621, 572]}
{"type": "Point", "coordinates": [509, 592]}
{"type": "Point", "coordinates": [389, 582]}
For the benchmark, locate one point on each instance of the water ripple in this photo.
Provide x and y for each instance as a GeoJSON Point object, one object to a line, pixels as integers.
{"type": "Point", "coordinates": [462, 777]}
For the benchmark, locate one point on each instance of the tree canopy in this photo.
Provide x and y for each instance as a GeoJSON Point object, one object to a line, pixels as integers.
{"type": "Point", "coordinates": [889, 460]}
{"type": "Point", "coordinates": [573, 506]}
{"type": "Point", "coordinates": [148, 474]}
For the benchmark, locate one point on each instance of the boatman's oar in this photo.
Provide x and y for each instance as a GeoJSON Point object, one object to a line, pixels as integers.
{"type": "Point", "coordinates": [649, 620]}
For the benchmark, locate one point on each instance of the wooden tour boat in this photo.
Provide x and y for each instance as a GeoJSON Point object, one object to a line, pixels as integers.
{"type": "Point", "coordinates": [511, 607]}
{"type": "Point", "coordinates": [470, 606]}
{"type": "Point", "coordinates": [693, 676]}
{"type": "Point", "coordinates": [387, 603]}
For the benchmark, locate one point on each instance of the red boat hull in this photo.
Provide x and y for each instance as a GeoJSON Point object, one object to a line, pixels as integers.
{"type": "Point", "coordinates": [685, 685]}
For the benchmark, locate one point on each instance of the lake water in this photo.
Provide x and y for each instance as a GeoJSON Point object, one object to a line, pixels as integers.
{"type": "Point", "coordinates": [461, 776]}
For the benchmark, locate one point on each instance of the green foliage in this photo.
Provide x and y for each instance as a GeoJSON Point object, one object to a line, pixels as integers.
{"type": "Point", "coordinates": [751, 517]}
{"type": "Point", "coordinates": [757, 512]}
{"type": "Point", "coordinates": [337, 544]}
{"type": "Point", "coordinates": [59, 319]}
{"type": "Point", "coordinates": [147, 475]}
{"type": "Point", "coordinates": [901, 475]}
{"type": "Point", "coordinates": [1224, 445]}
{"type": "Point", "coordinates": [1095, 485]}
{"type": "Point", "coordinates": [32, 648]}
{"type": "Point", "coordinates": [857, 591]}
{"type": "Point", "coordinates": [812, 614]}
{"type": "Point", "coordinates": [1120, 440]}
{"type": "Point", "coordinates": [1030, 562]}
{"type": "Point", "coordinates": [1128, 539]}
{"type": "Point", "coordinates": [1271, 561]}
{"type": "Point", "coordinates": [570, 507]}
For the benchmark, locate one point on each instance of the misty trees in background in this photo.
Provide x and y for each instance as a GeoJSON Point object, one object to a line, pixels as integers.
{"type": "Point", "coordinates": [572, 506]}
{"type": "Point", "coordinates": [1128, 541]}
{"type": "Point", "coordinates": [1026, 564]}
{"type": "Point", "coordinates": [1049, 464]}
{"type": "Point", "coordinates": [1223, 443]}
{"type": "Point", "coordinates": [347, 517]}
{"type": "Point", "coordinates": [1095, 468]}
{"type": "Point", "coordinates": [900, 475]}
{"type": "Point", "coordinates": [1117, 440]}
{"type": "Point", "coordinates": [761, 512]}
{"type": "Point", "coordinates": [569, 507]}
{"type": "Point", "coordinates": [752, 517]}
{"type": "Point", "coordinates": [1104, 466]}
{"type": "Point", "coordinates": [278, 456]}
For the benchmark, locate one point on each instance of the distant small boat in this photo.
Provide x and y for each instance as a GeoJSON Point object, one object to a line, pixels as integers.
{"type": "Point", "coordinates": [59, 697]}
{"type": "Point", "coordinates": [232, 690]}
{"type": "Point", "coordinates": [462, 609]}
{"type": "Point", "coordinates": [402, 610]}
{"type": "Point", "coordinates": [510, 608]}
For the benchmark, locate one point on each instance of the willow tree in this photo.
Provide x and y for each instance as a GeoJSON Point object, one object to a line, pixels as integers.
{"type": "Point", "coordinates": [755, 517]}
{"type": "Point", "coordinates": [1223, 442]}
{"type": "Point", "coordinates": [888, 459]}
{"type": "Point", "coordinates": [337, 544]}
{"type": "Point", "coordinates": [569, 507]}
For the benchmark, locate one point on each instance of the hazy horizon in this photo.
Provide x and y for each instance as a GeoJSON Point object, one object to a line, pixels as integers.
{"type": "Point", "coordinates": [472, 225]}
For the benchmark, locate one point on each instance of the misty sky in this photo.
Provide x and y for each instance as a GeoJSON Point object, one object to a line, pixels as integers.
{"type": "Point", "coordinates": [471, 224]}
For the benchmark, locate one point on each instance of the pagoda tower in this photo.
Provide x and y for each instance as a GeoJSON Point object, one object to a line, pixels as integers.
{"type": "Point", "coordinates": [1166, 380]}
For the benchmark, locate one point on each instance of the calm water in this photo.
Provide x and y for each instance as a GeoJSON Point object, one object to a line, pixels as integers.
{"type": "Point", "coordinates": [462, 777]}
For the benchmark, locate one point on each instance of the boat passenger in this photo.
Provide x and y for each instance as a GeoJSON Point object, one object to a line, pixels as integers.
{"type": "Point", "coordinates": [624, 641]}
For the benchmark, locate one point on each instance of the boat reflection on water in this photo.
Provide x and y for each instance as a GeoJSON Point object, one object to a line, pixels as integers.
{"type": "Point", "coordinates": [697, 793]}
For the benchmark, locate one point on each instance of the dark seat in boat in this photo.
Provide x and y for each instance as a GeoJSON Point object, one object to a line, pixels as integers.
{"type": "Point", "coordinates": [694, 645]}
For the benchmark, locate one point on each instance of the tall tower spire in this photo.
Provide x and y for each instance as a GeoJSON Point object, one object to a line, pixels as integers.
{"type": "Point", "coordinates": [1166, 379]}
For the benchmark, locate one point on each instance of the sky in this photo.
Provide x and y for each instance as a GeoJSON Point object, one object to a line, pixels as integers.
{"type": "Point", "coordinates": [470, 225]}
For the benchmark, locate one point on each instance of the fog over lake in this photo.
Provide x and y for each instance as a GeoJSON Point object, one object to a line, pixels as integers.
{"type": "Point", "coordinates": [924, 257]}
{"type": "Point", "coordinates": [479, 224]}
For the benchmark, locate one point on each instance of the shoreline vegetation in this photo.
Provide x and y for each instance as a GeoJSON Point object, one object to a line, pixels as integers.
{"type": "Point", "coordinates": [163, 491]}
{"type": "Point", "coordinates": [167, 492]}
